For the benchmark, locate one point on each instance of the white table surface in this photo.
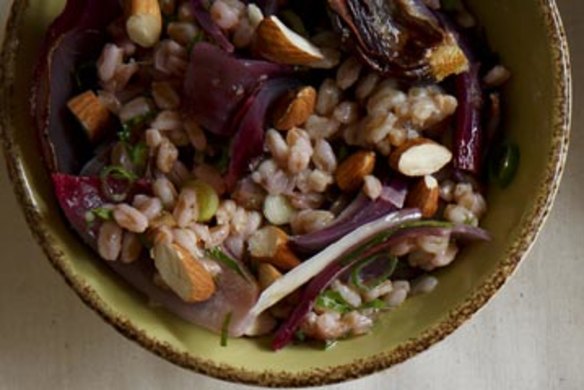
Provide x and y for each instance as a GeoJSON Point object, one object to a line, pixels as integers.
{"type": "Point", "coordinates": [531, 336]}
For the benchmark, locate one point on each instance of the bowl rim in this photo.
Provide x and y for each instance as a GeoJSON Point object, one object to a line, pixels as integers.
{"type": "Point", "coordinates": [359, 367]}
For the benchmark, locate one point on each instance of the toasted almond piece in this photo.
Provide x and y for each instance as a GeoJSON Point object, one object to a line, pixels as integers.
{"type": "Point", "coordinates": [143, 22]}
{"type": "Point", "coordinates": [183, 274]}
{"type": "Point", "coordinates": [352, 171]}
{"type": "Point", "coordinates": [448, 59]}
{"type": "Point", "coordinates": [267, 274]}
{"type": "Point", "coordinates": [91, 113]}
{"type": "Point", "coordinates": [425, 196]}
{"type": "Point", "coordinates": [419, 157]}
{"type": "Point", "coordinates": [159, 235]}
{"type": "Point", "coordinates": [270, 245]}
{"type": "Point", "coordinates": [276, 42]}
{"type": "Point", "coordinates": [294, 109]}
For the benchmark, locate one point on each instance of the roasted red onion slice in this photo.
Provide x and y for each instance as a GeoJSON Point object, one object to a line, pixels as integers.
{"type": "Point", "coordinates": [248, 142]}
{"type": "Point", "coordinates": [468, 135]}
{"type": "Point", "coordinates": [402, 38]}
{"type": "Point", "coordinates": [217, 84]}
{"type": "Point", "coordinates": [361, 211]}
{"type": "Point", "coordinates": [210, 27]}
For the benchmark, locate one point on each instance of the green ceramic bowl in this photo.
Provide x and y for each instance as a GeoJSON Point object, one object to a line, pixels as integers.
{"type": "Point", "coordinates": [537, 108]}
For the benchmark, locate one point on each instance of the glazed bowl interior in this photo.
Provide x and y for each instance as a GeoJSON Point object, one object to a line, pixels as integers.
{"type": "Point", "coordinates": [536, 108]}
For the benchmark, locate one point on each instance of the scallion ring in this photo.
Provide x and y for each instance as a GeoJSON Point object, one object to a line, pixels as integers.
{"type": "Point", "coordinates": [357, 280]}
{"type": "Point", "coordinates": [120, 174]}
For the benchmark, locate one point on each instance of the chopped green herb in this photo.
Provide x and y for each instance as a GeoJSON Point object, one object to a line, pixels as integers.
{"type": "Point", "coordinates": [223, 162]}
{"type": "Point", "coordinates": [138, 154]}
{"type": "Point", "coordinates": [332, 300]}
{"type": "Point", "coordinates": [343, 153]}
{"type": "Point", "coordinates": [114, 192]}
{"type": "Point", "coordinates": [300, 336]}
{"type": "Point", "coordinates": [198, 38]}
{"type": "Point", "coordinates": [134, 124]}
{"type": "Point", "coordinates": [102, 213]}
{"type": "Point", "coordinates": [330, 344]}
{"type": "Point", "coordinates": [225, 329]}
{"type": "Point", "coordinates": [218, 255]}
{"type": "Point", "coordinates": [117, 172]}
{"type": "Point", "coordinates": [374, 304]}
{"type": "Point", "coordinates": [125, 134]}
{"type": "Point", "coordinates": [503, 164]}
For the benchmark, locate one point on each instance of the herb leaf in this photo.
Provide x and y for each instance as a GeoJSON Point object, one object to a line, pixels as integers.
{"type": "Point", "coordinates": [102, 213]}
{"type": "Point", "coordinates": [330, 344]}
{"type": "Point", "coordinates": [118, 172]}
{"type": "Point", "coordinates": [332, 300]}
{"type": "Point", "coordinates": [374, 304]}
{"type": "Point", "coordinates": [138, 154]}
{"type": "Point", "coordinates": [220, 256]}
{"type": "Point", "coordinates": [225, 329]}
{"type": "Point", "coordinates": [135, 123]}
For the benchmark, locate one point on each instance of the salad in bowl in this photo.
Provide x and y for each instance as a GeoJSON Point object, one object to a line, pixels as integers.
{"type": "Point", "coordinates": [294, 169]}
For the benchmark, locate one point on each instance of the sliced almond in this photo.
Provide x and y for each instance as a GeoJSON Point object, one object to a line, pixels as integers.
{"type": "Point", "coordinates": [425, 196]}
{"type": "Point", "coordinates": [270, 245]}
{"type": "Point", "coordinates": [143, 22]}
{"type": "Point", "coordinates": [419, 157]}
{"type": "Point", "coordinates": [182, 273]}
{"type": "Point", "coordinates": [267, 274]}
{"type": "Point", "coordinates": [352, 171]}
{"type": "Point", "coordinates": [91, 113]}
{"type": "Point", "coordinates": [294, 109]}
{"type": "Point", "coordinates": [276, 42]}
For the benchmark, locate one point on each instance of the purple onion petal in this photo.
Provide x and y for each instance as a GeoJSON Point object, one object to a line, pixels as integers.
{"type": "Point", "coordinates": [361, 211]}
{"type": "Point", "coordinates": [468, 135]}
{"type": "Point", "coordinates": [217, 84]}
{"type": "Point", "coordinates": [248, 142]}
{"type": "Point", "coordinates": [468, 232]}
{"type": "Point", "coordinates": [210, 27]}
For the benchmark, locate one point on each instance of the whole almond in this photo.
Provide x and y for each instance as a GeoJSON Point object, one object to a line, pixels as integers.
{"type": "Point", "coordinates": [267, 274]}
{"type": "Point", "coordinates": [294, 109]}
{"type": "Point", "coordinates": [270, 245]}
{"type": "Point", "coordinates": [352, 171]}
{"type": "Point", "coordinates": [182, 273]}
{"type": "Point", "coordinates": [276, 42]}
{"type": "Point", "coordinates": [425, 196]}
{"type": "Point", "coordinates": [419, 157]}
{"type": "Point", "coordinates": [143, 21]}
